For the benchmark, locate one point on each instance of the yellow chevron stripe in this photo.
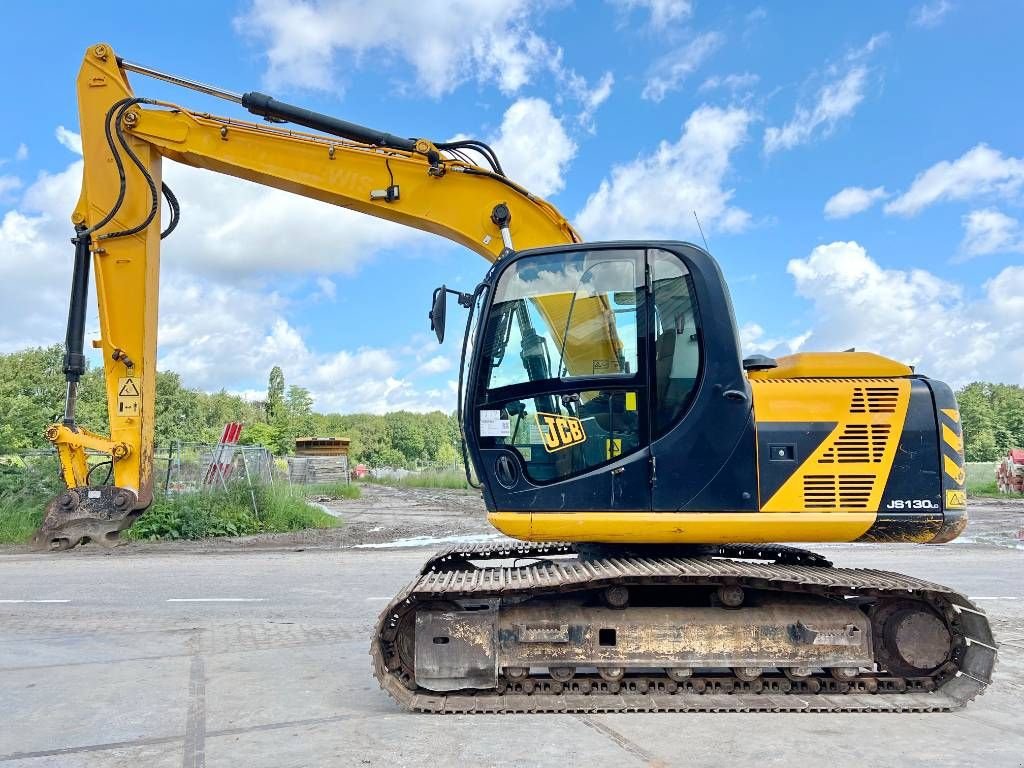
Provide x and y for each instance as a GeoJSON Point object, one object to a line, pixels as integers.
{"type": "Point", "coordinates": [953, 469]}
{"type": "Point", "coordinates": [953, 440]}
{"type": "Point", "coordinates": [953, 413]}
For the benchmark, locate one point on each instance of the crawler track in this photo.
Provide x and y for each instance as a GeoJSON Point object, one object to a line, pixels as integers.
{"type": "Point", "coordinates": [558, 569]}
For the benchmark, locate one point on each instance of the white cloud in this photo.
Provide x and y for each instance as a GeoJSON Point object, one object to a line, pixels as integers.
{"type": "Point", "coordinates": [216, 328]}
{"type": "Point", "coordinates": [533, 147]}
{"type": "Point", "coordinates": [760, 13]}
{"type": "Point", "coordinates": [990, 231]}
{"type": "Point", "coordinates": [234, 227]}
{"type": "Point", "coordinates": [979, 171]}
{"type": "Point", "coordinates": [69, 139]}
{"type": "Point", "coordinates": [22, 152]}
{"type": "Point", "coordinates": [753, 341]}
{"type": "Point", "coordinates": [836, 100]}
{"type": "Point", "coordinates": [590, 98]}
{"type": "Point", "coordinates": [662, 12]}
{"type": "Point", "coordinates": [217, 335]}
{"type": "Point", "coordinates": [8, 184]}
{"type": "Point", "coordinates": [742, 81]}
{"type": "Point", "coordinates": [446, 42]}
{"type": "Point", "coordinates": [327, 288]}
{"type": "Point", "coordinates": [653, 196]}
{"type": "Point", "coordinates": [435, 365]}
{"type": "Point", "coordinates": [671, 70]}
{"type": "Point", "coordinates": [851, 200]}
{"type": "Point", "coordinates": [930, 14]}
{"type": "Point", "coordinates": [914, 316]}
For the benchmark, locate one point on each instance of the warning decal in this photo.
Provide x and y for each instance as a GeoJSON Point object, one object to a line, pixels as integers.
{"type": "Point", "coordinates": [129, 396]}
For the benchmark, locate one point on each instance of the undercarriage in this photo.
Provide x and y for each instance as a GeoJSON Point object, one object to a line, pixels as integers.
{"type": "Point", "coordinates": [567, 628]}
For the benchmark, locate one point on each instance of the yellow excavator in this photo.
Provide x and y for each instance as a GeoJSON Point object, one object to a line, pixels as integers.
{"type": "Point", "coordinates": [641, 466]}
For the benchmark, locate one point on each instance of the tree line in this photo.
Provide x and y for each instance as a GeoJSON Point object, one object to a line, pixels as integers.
{"type": "Point", "coordinates": [32, 393]}
{"type": "Point", "coordinates": [32, 396]}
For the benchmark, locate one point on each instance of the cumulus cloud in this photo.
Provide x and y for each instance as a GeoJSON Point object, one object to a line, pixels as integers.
{"type": "Point", "coordinates": [913, 315]}
{"type": "Point", "coordinates": [69, 139]}
{"type": "Point", "coordinates": [220, 335]}
{"type": "Point", "coordinates": [446, 42]}
{"type": "Point", "coordinates": [837, 99]}
{"type": "Point", "coordinates": [216, 329]}
{"type": "Point", "coordinates": [990, 231]}
{"type": "Point", "coordinates": [930, 14]}
{"type": "Point", "coordinates": [979, 171]}
{"type": "Point", "coordinates": [661, 12]}
{"type": "Point", "coordinates": [653, 195]}
{"type": "Point", "coordinates": [533, 147]}
{"type": "Point", "coordinates": [851, 200]}
{"type": "Point", "coordinates": [671, 70]}
{"type": "Point", "coordinates": [22, 152]}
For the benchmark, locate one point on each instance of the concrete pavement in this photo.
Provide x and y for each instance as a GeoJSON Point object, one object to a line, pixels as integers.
{"type": "Point", "coordinates": [261, 659]}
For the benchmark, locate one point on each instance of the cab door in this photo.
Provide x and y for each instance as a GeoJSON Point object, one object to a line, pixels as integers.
{"type": "Point", "coordinates": [558, 413]}
{"type": "Point", "coordinates": [702, 453]}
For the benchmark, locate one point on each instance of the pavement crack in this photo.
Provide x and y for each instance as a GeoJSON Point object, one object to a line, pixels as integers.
{"type": "Point", "coordinates": [195, 725]}
{"type": "Point", "coordinates": [622, 741]}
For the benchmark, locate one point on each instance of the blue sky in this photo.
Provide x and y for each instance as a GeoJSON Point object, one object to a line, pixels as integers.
{"type": "Point", "coordinates": [858, 168]}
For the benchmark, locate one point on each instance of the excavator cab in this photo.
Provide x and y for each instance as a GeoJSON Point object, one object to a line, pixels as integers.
{"type": "Point", "coordinates": [593, 361]}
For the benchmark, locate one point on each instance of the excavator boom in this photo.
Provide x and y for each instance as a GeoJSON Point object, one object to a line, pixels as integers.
{"type": "Point", "coordinates": [413, 182]}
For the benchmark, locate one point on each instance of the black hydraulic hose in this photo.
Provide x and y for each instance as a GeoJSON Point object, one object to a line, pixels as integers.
{"type": "Point", "coordinates": [172, 203]}
{"type": "Point", "coordinates": [154, 206]}
{"type": "Point", "coordinates": [117, 162]}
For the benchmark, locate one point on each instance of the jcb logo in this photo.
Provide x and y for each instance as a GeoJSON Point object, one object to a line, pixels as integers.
{"type": "Point", "coordinates": [560, 432]}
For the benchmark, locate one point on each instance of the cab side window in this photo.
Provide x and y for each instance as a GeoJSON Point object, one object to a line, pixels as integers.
{"type": "Point", "coordinates": [678, 344]}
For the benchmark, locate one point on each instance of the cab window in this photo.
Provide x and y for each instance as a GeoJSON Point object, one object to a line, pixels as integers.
{"type": "Point", "coordinates": [678, 350]}
{"type": "Point", "coordinates": [563, 316]}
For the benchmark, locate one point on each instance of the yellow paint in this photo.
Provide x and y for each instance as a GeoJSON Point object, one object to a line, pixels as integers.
{"type": "Point", "coordinates": [952, 439]}
{"type": "Point", "coordinates": [952, 413]}
{"type": "Point", "coordinates": [956, 499]}
{"type": "Point", "coordinates": [681, 527]}
{"type": "Point", "coordinates": [559, 432]}
{"type": "Point", "coordinates": [832, 365]}
{"type": "Point", "coordinates": [798, 400]}
{"type": "Point", "coordinates": [954, 470]}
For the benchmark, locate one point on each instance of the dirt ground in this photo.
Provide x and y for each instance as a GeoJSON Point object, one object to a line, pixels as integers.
{"type": "Point", "coordinates": [394, 517]}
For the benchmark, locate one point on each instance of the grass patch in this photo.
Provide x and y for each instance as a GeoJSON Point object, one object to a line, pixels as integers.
{"type": "Point", "coordinates": [453, 480]}
{"type": "Point", "coordinates": [981, 478]}
{"type": "Point", "coordinates": [229, 512]}
{"type": "Point", "coordinates": [330, 490]}
{"type": "Point", "coordinates": [26, 486]}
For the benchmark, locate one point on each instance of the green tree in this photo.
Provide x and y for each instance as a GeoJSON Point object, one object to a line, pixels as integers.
{"type": "Point", "coordinates": [275, 393]}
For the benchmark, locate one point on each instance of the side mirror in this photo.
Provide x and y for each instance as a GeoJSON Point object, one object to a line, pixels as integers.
{"type": "Point", "coordinates": [437, 312]}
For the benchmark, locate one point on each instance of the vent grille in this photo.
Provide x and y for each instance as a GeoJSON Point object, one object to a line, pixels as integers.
{"type": "Point", "coordinates": [859, 444]}
{"type": "Point", "coordinates": [837, 491]}
{"type": "Point", "coordinates": [874, 399]}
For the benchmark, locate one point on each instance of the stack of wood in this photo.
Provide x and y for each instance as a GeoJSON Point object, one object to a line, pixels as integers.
{"type": "Point", "coordinates": [319, 460]}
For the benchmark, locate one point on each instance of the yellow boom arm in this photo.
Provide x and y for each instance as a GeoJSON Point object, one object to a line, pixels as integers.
{"type": "Point", "coordinates": [438, 193]}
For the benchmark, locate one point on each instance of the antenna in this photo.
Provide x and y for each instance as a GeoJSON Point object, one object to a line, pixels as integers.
{"type": "Point", "coordinates": [701, 229]}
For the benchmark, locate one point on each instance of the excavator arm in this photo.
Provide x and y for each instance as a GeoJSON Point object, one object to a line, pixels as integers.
{"type": "Point", "coordinates": [117, 222]}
